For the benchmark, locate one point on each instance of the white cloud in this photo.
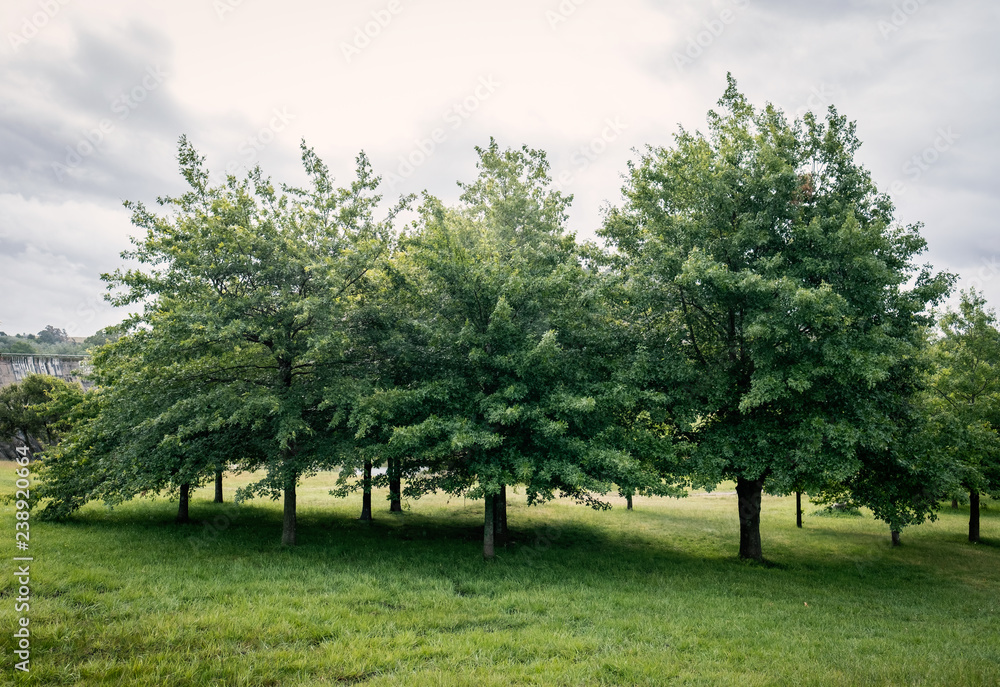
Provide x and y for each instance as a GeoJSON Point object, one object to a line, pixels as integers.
{"type": "Point", "coordinates": [560, 82]}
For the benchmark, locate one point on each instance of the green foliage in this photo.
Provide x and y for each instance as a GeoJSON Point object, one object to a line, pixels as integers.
{"type": "Point", "coordinates": [510, 366]}
{"type": "Point", "coordinates": [764, 256]}
{"type": "Point", "coordinates": [239, 347]}
{"type": "Point", "coordinates": [12, 345]}
{"type": "Point", "coordinates": [52, 335]}
{"type": "Point", "coordinates": [49, 341]}
{"type": "Point", "coordinates": [965, 392]}
{"type": "Point", "coordinates": [33, 412]}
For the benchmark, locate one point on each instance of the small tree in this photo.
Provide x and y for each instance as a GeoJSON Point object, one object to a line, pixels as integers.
{"type": "Point", "coordinates": [966, 397]}
{"type": "Point", "coordinates": [35, 413]}
{"type": "Point", "coordinates": [52, 335]}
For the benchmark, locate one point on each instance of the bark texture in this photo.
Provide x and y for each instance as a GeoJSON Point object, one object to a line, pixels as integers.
{"type": "Point", "coordinates": [895, 537]}
{"type": "Point", "coordinates": [182, 507]}
{"type": "Point", "coordinates": [489, 527]}
{"type": "Point", "coordinates": [395, 488]}
{"type": "Point", "coordinates": [798, 509]}
{"type": "Point", "coordinates": [288, 522]}
{"type": "Point", "coordinates": [366, 497]}
{"type": "Point", "coordinates": [500, 517]}
{"type": "Point", "coordinates": [974, 516]}
{"type": "Point", "coordinates": [748, 493]}
{"type": "Point", "coordinates": [218, 486]}
{"type": "Point", "coordinates": [628, 500]}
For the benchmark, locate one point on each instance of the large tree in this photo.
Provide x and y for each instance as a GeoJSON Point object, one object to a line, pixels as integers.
{"type": "Point", "coordinates": [244, 289]}
{"type": "Point", "coordinates": [771, 261]}
{"type": "Point", "coordinates": [511, 365]}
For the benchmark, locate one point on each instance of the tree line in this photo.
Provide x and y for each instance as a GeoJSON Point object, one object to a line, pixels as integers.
{"type": "Point", "coordinates": [757, 315]}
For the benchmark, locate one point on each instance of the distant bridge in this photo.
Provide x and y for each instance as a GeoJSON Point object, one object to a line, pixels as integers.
{"type": "Point", "coordinates": [14, 367]}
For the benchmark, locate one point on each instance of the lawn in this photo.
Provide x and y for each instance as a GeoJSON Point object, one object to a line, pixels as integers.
{"type": "Point", "coordinates": [649, 597]}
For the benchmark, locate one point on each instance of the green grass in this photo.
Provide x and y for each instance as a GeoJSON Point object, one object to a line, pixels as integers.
{"type": "Point", "coordinates": [649, 597]}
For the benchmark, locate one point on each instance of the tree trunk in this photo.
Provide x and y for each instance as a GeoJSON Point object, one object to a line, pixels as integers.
{"type": "Point", "coordinates": [366, 497]}
{"type": "Point", "coordinates": [954, 502]}
{"type": "Point", "coordinates": [288, 525]}
{"type": "Point", "coordinates": [798, 509]}
{"type": "Point", "coordinates": [748, 493]}
{"type": "Point", "coordinates": [395, 488]}
{"type": "Point", "coordinates": [628, 501]}
{"type": "Point", "coordinates": [500, 517]}
{"type": "Point", "coordinates": [489, 527]}
{"type": "Point", "coordinates": [895, 537]}
{"type": "Point", "coordinates": [218, 486]}
{"type": "Point", "coordinates": [182, 507]}
{"type": "Point", "coordinates": [974, 516]}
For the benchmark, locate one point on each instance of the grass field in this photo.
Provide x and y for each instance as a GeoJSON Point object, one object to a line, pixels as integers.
{"type": "Point", "coordinates": [649, 597]}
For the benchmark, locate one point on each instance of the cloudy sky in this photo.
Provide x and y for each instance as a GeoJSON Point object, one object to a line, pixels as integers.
{"type": "Point", "coordinates": [94, 95]}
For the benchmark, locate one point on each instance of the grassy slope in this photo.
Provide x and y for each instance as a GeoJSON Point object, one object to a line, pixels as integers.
{"type": "Point", "coordinates": [650, 597]}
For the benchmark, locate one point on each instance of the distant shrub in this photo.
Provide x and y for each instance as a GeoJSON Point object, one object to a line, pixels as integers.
{"type": "Point", "coordinates": [839, 510]}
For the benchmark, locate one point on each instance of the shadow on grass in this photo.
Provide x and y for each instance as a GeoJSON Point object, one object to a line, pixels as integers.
{"type": "Point", "coordinates": [447, 546]}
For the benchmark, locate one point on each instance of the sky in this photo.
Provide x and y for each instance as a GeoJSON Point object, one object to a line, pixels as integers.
{"type": "Point", "coordinates": [95, 95]}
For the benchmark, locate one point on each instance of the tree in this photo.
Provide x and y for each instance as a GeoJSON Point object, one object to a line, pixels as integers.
{"type": "Point", "coordinates": [966, 397]}
{"type": "Point", "coordinates": [33, 413]}
{"type": "Point", "coordinates": [52, 335]}
{"type": "Point", "coordinates": [143, 430]}
{"type": "Point", "coordinates": [511, 369]}
{"type": "Point", "coordinates": [771, 262]}
{"type": "Point", "coordinates": [243, 289]}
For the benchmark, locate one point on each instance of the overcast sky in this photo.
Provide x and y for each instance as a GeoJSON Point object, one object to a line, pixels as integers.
{"type": "Point", "coordinates": [94, 95]}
